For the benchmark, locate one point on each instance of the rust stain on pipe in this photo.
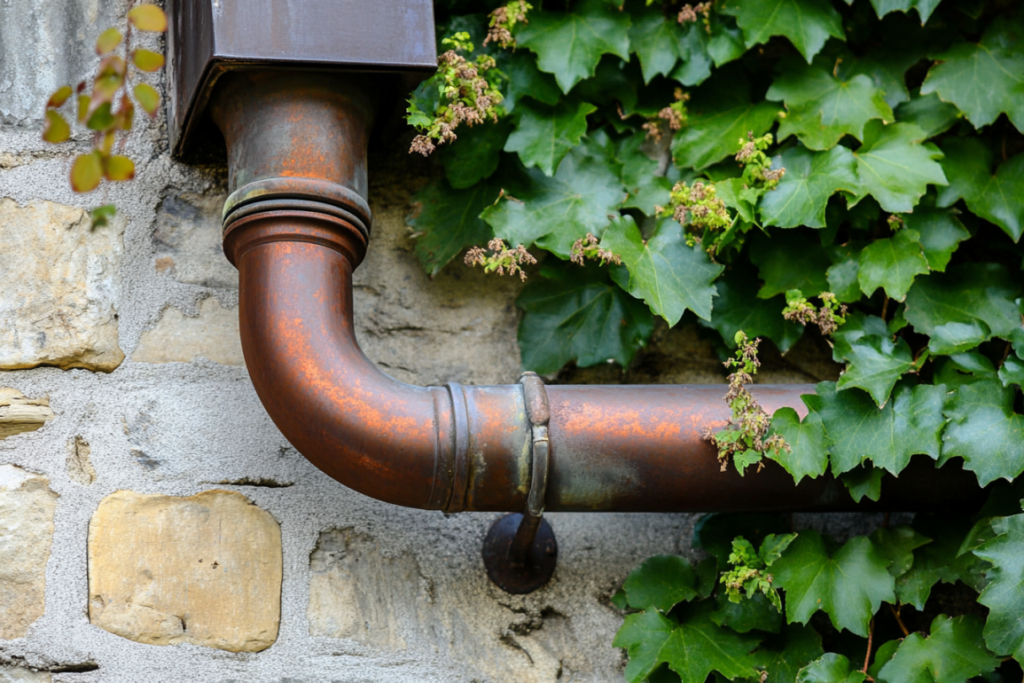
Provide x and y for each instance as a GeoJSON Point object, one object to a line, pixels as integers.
{"type": "Point", "coordinates": [297, 224]}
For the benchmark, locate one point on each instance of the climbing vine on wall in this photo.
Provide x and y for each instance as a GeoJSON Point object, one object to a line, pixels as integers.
{"type": "Point", "coordinates": [852, 166]}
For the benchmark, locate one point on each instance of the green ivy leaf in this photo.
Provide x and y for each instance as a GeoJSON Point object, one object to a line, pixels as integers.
{"type": "Point", "coordinates": [953, 653]}
{"type": "Point", "coordinates": [693, 648]}
{"type": "Point", "coordinates": [970, 294]}
{"type": "Point", "coordinates": [924, 8]}
{"type": "Point", "coordinates": [720, 113]}
{"type": "Point", "coordinates": [784, 656]}
{"type": "Point", "coordinates": [662, 582]}
{"type": "Point", "coordinates": [570, 44]}
{"type": "Point", "coordinates": [749, 614]}
{"type": "Point", "coordinates": [849, 583]}
{"type": "Point", "coordinates": [894, 167]}
{"type": "Point", "coordinates": [897, 544]}
{"type": "Point", "coordinates": [526, 80]}
{"type": "Point", "coordinates": [657, 41]}
{"type": "Point", "coordinates": [892, 263]}
{"type": "Point", "coordinates": [544, 135]}
{"type": "Point", "coordinates": [579, 314]}
{"type": "Point", "coordinates": [809, 455]}
{"type": "Point", "coordinates": [737, 307]}
{"type": "Point", "coordinates": [475, 155]}
{"type": "Point", "coordinates": [811, 178]}
{"type": "Point", "coordinates": [1004, 595]}
{"type": "Point", "coordinates": [787, 260]}
{"type": "Point", "coordinates": [807, 23]}
{"type": "Point", "coordinates": [997, 197]}
{"type": "Point", "coordinates": [663, 271]}
{"type": "Point", "coordinates": [830, 668]}
{"type": "Point", "coordinates": [823, 108]}
{"type": "Point", "coordinates": [863, 481]}
{"type": "Point", "coordinates": [555, 212]}
{"type": "Point", "coordinates": [875, 363]}
{"type": "Point", "coordinates": [696, 60]}
{"type": "Point", "coordinates": [984, 430]}
{"type": "Point", "coordinates": [1012, 371]}
{"type": "Point", "coordinates": [983, 79]}
{"type": "Point", "coordinates": [448, 221]}
{"type": "Point", "coordinates": [929, 113]}
{"type": "Point", "coordinates": [939, 560]}
{"type": "Point", "coordinates": [941, 233]}
{"type": "Point", "coordinates": [858, 430]}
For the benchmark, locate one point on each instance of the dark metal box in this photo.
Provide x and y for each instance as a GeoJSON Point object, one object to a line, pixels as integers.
{"type": "Point", "coordinates": [209, 37]}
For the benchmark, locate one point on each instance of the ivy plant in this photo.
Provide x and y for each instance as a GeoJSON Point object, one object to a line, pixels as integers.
{"type": "Point", "coordinates": [852, 169]}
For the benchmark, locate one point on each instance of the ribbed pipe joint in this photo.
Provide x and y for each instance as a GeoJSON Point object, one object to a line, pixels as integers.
{"type": "Point", "coordinates": [249, 230]}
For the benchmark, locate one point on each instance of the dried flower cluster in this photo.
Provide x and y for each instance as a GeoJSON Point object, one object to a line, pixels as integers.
{"type": "Point", "coordinates": [673, 116]}
{"type": "Point", "coordinates": [697, 208]}
{"type": "Point", "coordinates": [895, 222]}
{"type": "Point", "coordinates": [468, 94]}
{"type": "Point", "coordinates": [588, 248]}
{"type": "Point", "coordinates": [501, 259]}
{"type": "Point", "coordinates": [749, 574]}
{"type": "Point", "coordinates": [745, 437]}
{"type": "Point", "coordinates": [689, 13]}
{"type": "Point", "coordinates": [757, 166]}
{"type": "Point", "coordinates": [503, 20]}
{"type": "Point", "coordinates": [828, 317]}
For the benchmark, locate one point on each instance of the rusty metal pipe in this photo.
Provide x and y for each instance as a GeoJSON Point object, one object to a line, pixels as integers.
{"type": "Point", "coordinates": [297, 225]}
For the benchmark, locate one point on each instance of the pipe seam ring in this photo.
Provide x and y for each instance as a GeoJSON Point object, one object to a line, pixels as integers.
{"type": "Point", "coordinates": [539, 413]}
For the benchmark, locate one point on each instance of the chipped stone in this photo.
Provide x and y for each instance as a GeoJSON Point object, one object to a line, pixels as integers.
{"type": "Point", "coordinates": [204, 570]}
{"type": "Point", "coordinates": [19, 414]}
{"type": "Point", "coordinates": [358, 593]}
{"type": "Point", "coordinates": [80, 467]}
{"type": "Point", "coordinates": [16, 674]}
{"type": "Point", "coordinates": [57, 305]}
{"type": "Point", "coordinates": [26, 533]}
{"type": "Point", "coordinates": [187, 241]}
{"type": "Point", "coordinates": [179, 338]}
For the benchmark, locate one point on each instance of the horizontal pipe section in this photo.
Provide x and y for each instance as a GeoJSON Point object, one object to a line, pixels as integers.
{"type": "Point", "coordinates": [298, 225]}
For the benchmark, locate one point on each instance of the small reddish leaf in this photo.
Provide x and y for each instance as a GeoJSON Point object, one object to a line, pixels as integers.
{"type": "Point", "coordinates": [148, 98]}
{"type": "Point", "coordinates": [56, 129]}
{"type": "Point", "coordinates": [83, 107]}
{"type": "Point", "coordinates": [125, 113]}
{"type": "Point", "coordinates": [101, 118]}
{"type": "Point", "coordinates": [80, 87]}
{"type": "Point", "coordinates": [58, 98]}
{"type": "Point", "coordinates": [148, 18]}
{"type": "Point", "coordinates": [119, 168]}
{"type": "Point", "coordinates": [147, 60]}
{"type": "Point", "coordinates": [107, 41]}
{"type": "Point", "coordinates": [86, 172]}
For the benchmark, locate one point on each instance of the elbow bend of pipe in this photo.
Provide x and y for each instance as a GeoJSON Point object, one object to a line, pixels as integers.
{"type": "Point", "coordinates": [455, 448]}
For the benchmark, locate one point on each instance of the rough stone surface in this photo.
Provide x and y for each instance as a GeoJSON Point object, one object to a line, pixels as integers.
{"type": "Point", "coordinates": [213, 335]}
{"type": "Point", "coordinates": [58, 300]}
{"type": "Point", "coordinates": [19, 414]}
{"type": "Point", "coordinates": [17, 674]}
{"type": "Point", "coordinates": [80, 467]}
{"type": "Point", "coordinates": [26, 533]}
{"type": "Point", "coordinates": [204, 570]}
{"type": "Point", "coordinates": [187, 240]}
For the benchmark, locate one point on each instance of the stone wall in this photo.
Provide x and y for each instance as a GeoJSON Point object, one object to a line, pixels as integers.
{"type": "Point", "coordinates": [155, 525]}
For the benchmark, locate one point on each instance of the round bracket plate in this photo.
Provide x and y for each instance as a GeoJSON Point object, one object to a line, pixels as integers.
{"type": "Point", "coordinates": [519, 579]}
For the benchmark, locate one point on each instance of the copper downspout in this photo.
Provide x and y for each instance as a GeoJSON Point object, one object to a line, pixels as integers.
{"type": "Point", "coordinates": [297, 225]}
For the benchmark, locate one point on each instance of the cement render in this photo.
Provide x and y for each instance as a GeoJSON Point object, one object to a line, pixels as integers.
{"type": "Point", "coordinates": [182, 428]}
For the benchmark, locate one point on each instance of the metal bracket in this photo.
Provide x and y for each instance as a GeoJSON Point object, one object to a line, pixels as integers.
{"type": "Point", "coordinates": [520, 551]}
